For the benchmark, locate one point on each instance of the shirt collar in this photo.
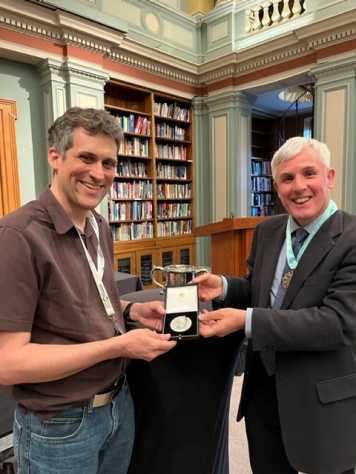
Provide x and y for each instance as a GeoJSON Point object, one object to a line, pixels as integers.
{"type": "Point", "coordinates": [314, 226]}
{"type": "Point", "coordinates": [60, 219]}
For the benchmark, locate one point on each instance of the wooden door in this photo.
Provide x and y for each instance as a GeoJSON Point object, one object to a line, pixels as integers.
{"type": "Point", "coordinates": [9, 177]}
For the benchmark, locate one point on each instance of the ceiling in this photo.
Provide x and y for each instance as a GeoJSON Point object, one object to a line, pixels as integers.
{"type": "Point", "coordinates": [269, 102]}
{"type": "Point", "coordinates": [266, 96]}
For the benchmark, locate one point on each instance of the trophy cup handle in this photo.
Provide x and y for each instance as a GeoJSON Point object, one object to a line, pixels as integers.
{"type": "Point", "coordinates": [155, 269]}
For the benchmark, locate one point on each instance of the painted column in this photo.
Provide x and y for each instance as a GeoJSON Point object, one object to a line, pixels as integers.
{"type": "Point", "coordinates": [85, 85]}
{"type": "Point", "coordinates": [223, 133]}
{"type": "Point", "coordinates": [230, 132]}
{"type": "Point", "coordinates": [335, 124]}
{"type": "Point", "coordinates": [54, 94]}
{"type": "Point", "coordinates": [202, 172]}
{"type": "Point", "coordinates": [53, 85]}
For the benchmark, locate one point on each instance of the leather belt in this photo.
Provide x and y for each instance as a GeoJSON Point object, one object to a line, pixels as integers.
{"type": "Point", "coordinates": [102, 399]}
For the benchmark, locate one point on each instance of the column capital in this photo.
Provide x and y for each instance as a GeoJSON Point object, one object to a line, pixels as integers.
{"type": "Point", "coordinates": [339, 69]}
{"type": "Point", "coordinates": [229, 100]}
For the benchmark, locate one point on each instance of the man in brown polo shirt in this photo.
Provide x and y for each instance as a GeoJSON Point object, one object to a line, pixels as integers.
{"type": "Point", "coordinates": [63, 343]}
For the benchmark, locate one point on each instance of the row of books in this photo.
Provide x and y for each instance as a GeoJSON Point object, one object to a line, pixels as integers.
{"type": "Point", "coordinates": [131, 190]}
{"type": "Point", "coordinates": [171, 171]}
{"type": "Point", "coordinates": [127, 211]}
{"type": "Point", "coordinates": [167, 258]}
{"type": "Point", "coordinates": [134, 124]}
{"type": "Point", "coordinates": [134, 146]}
{"type": "Point", "coordinates": [124, 265]}
{"type": "Point", "coordinates": [173, 152]}
{"type": "Point", "coordinates": [177, 209]}
{"type": "Point", "coordinates": [174, 191]}
{"type": "Point", "coordinates": [174, 228]}
{"type": "Point", "coordinates": [261, 167]}
{"type": "Point", "coordinates": [261, 183]}
{"type": "Point", "coordinates": [261, 211]}
{"type": "Point", "coordinates": [146, 263]}
{"type": "Point", "coordinates": [132, 168]}
{"type": "Point", "coordinates": [133, 231]}
{"type": "Point", "coordinates": [185, 256]}
{"type": "Point", "coordinates": [163, 130]}
{"type": "Point", "coordinates": [265, 199]}
{"type": "Point", "coordinates": [172, 110]}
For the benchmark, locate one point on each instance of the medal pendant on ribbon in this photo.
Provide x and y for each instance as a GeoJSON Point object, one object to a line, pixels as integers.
{"type": "Point", "coordinates": [286, 279]}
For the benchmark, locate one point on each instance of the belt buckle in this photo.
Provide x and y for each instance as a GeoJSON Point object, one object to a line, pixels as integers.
{"type": "Point", "coordinates": [102, 399]}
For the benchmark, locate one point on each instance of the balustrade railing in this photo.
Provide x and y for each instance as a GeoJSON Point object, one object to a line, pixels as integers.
{"type": "Point", "coordinates": [272, 12]}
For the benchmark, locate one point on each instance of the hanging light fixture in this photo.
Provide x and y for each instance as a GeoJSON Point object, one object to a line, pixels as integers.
{"type": "Point", "coordinates": [296, 93]}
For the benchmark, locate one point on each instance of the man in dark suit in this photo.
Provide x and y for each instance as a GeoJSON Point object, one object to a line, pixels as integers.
{"type": "Point", "coordinates": [297, 308]}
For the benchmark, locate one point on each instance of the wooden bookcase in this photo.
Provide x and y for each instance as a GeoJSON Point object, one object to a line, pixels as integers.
{"type": "Point", "coordinates": [263, 197]}
{"type": "Point", "coordinates": [151, 205]}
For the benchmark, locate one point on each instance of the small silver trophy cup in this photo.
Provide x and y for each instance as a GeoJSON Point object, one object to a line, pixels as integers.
{"type": "Point", "coordinates": [176, 275]}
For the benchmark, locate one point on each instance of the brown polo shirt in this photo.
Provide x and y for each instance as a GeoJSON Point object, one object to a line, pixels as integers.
{"type": "Point", "coordinates": [47, 288]}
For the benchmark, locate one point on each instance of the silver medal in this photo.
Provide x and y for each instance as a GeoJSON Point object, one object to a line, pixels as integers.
{"type": "Point", "coordinates": [181, 324]}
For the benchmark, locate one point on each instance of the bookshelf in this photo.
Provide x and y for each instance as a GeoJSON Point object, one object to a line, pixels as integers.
{"type": "Point", "coordinates": [151, 203]}
{"type": "Point", "coordinates": [263, 197]}
{"type": "Point", "coordinates": [174, 183]}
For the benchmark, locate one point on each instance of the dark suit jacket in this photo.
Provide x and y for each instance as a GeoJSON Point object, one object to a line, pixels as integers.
{"type": "Point", "coordinates": [313, 336]}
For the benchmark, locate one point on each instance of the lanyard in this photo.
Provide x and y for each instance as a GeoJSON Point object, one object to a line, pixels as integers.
{"type": "Point", "coordinates": [98, 273]}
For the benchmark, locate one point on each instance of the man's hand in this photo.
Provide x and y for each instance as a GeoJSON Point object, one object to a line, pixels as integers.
{"type": "Point", "coordinates": [144, 344]}
{"type": "Point", "coordinates": [221, 322]}
{"type": "Point", "coordinates": [148, 314]}
{"type": "Point", "coordinates": [209, 286]}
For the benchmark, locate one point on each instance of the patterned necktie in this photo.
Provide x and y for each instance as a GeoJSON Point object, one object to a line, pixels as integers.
{"type": "Point", "coordinates": [298, 238]}
{"type": "Point", "coordinates": [268, 357]}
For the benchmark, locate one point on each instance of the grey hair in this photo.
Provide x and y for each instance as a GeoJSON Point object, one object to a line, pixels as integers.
{"type": "Point", "coordinates": [93, 121]}
{"type": "Point", "coordinates": [294, 146]}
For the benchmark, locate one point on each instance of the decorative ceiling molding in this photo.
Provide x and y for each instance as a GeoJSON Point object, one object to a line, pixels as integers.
{"type": "Point", "coordinates": [28, 26]}
{"type": "Point", "coordinates": [283, 51]}
{"type": "Point", "coordinates": [334, 37]}
{"type": "Point", "coordinates": [133, 47]}
{"type": "Point", "coordinates": [72, 70]}
{"type": "Point", "coordinates": [342, 68]}
{"type": "Point", "coordinates": [65, 28]}
{"type": "Point", "coordinates": [66, 68]}
{"type": "Point", "coordinates": [154, 67]}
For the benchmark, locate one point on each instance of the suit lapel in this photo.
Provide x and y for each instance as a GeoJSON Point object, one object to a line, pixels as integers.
{"type": "Point", "coordinates": [319, 247]}
{"type": "Point", "coordinates": [273, 238]}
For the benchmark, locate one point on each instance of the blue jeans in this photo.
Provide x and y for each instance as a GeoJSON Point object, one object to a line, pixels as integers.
{"type": "Point", "coordinates": [77, 440]}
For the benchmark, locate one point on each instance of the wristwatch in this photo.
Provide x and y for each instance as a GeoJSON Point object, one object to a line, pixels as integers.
{"type": "Point", "coordinates": [126, 312]}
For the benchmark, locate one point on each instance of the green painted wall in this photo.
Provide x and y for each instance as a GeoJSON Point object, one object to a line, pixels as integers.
{"type": "Point", "coordinates": [20, 82]}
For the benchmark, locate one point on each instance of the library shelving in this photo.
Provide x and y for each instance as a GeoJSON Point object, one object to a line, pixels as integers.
{"type": "Point", "coordinates": [151, 203]}
{"type": "Point", "coordinates": [263, 197]}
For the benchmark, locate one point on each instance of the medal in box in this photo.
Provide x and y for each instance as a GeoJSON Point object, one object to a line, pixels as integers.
{"type": "Point", "coordinates": [182, 309]}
